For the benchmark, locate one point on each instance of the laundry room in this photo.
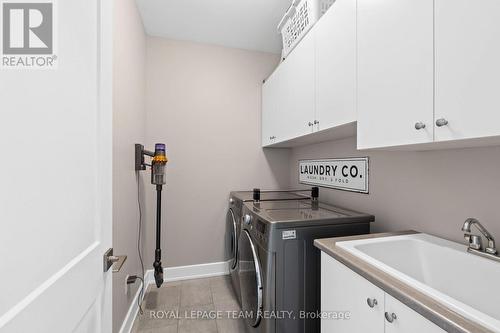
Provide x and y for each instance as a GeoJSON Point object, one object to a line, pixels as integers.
{"type": "Point", "coordinates": [253, 166]}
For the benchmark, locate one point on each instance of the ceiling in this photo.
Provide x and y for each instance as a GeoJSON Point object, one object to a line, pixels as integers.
{"type": "Point", "coordinates": [245, 24]}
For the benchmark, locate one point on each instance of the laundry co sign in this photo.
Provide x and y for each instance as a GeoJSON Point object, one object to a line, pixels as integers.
{"type": "Point", "coordinates": [349, 174]}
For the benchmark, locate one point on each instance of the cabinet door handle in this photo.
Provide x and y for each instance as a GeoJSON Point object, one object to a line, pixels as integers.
{"type": "Point", "coordinates": [316, 122]}
{"type": "Point", "coordinates": [390, 317]}
{"type": "Point", "coordinates": [371, 302]}
{"type": "Point", "coordinates": [420, 125]}
{"type": "Point", "coordinates": [310, 124]}
{"type": "Point", "coordinates": [441, 122]}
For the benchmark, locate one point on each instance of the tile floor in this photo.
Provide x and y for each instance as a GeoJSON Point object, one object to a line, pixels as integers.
{"type": "Point", "coordinates": [173, 308]}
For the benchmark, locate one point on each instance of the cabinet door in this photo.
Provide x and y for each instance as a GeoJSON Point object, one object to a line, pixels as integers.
{"type": "Point", "coordinates": [269, 110]}
{"type": "Point", "coordinates": [467, 68]}
{"type": "Point", "coordinates": [336, 65]}
{"type": "Point", "coordinates": [297, 99]}
{"type": "Point", "coordinates": [395, 72]}
{"type": "Point", "coordinates": [274, 107]}
{"type": "Point", "coordinates": [344, 290]}
{"type": "Point", "coordinates": [406, 320]}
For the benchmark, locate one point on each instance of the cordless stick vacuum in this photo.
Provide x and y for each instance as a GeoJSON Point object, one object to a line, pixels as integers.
{"type": "Point", "coordinates": [158, 162]}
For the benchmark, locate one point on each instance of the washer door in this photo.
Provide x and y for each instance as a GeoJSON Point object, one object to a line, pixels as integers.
{"type": "Point", "coordinates": [232, 238]}
{"type": "Point", "coordinates": [250, 273]}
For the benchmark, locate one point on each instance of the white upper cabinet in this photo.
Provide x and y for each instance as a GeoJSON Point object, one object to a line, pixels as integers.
{"type": "Point", "coordinates": [395, 72]}
{"type": "Point", "coordinates": [288, 96]}
{"type": "Point", "coordinates": [336, 65]}
{"type": "Point", "coordinates": [417, 73]}
{"type": "Point", "coordinates": [297, 73]}
{"type": "Point", "coordinates": [467, 68]}
{"type": "Point", "coordinates": [271, 117]}
{"type": "Point", "coordinates": [318, 83]}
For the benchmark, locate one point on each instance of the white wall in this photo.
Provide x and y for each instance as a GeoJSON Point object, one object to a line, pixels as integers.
{"type": "Point", "coordinates": [428, 191]}
{"type": "Point", "coordinates": [128, 128]}
{"type": "Point", "coordinates": [204, 102]}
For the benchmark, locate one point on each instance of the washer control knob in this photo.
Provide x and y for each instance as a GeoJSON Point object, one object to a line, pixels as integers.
{"type": "Point", "coordinates": [231, 201]}
{"type": "Point", "coordinates": [247, 219]}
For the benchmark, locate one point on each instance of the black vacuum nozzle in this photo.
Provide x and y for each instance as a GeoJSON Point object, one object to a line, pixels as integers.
{"type": "Point", "coordinates": [158, 269]}
{"type": "Point", "coordinates": [159, 276]}
{"type": "Point", "coordinates": [256, 194]}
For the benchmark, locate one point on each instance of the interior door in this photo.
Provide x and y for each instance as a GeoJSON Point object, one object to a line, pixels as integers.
{"type": "Point", "coordinates": [55, 180]}
{"type": "Point", "coordinates": [467, 68]}
{"type": "Point", "coordinates": [395, 72]}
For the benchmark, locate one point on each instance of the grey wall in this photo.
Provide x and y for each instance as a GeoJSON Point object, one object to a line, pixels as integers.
{"type": "Point", "coordinates": [129, 47]}
{"type": "Point", "coordinates": [430, 191]}
{"type": "Point", "coordinates": [204, 102]}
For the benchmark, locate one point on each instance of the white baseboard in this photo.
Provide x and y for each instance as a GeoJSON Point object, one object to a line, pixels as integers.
{"type": "Point", "coordinates": [174, 274]}
{"type": "Point", "coordinates": [196, 271]}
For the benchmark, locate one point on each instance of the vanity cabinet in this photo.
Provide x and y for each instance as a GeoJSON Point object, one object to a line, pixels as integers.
{"type": "Point", "coordinates": [371, 309]}
{"type": "Point", "coordinates": [343, 290]}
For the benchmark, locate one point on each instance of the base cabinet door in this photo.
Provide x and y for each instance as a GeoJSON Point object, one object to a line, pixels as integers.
{"type": "Point", "coordinates": [370, 308]}
{"type": "Point", "coordinates": [467, 69]}
{"type": "Point", "coordinates": [401, 319]}
{"type": "Point", "coordinates": [344, 290]}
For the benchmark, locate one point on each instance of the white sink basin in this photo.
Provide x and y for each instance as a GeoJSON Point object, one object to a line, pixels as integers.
{"type": "Point", "coordinates": [441, 269]}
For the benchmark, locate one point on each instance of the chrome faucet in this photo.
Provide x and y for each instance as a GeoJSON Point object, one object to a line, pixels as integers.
{"type": "Point", "coordinates": [475, 243]}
